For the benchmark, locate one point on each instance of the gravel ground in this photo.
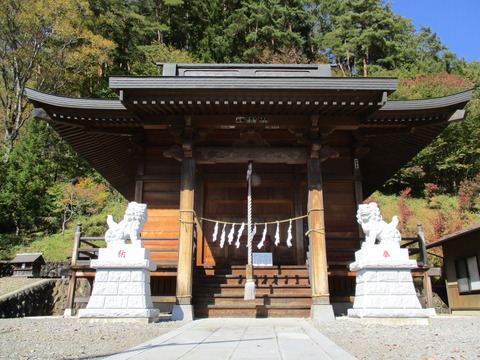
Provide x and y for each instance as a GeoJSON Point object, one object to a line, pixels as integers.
{"type": "Point", "coordinates": [55, 338]}
{"type": "Point", "coordinates": [447, 337]}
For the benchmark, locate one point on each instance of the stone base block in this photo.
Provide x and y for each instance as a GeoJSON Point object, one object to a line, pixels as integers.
{"type": "Point", "coordinates": [119, 313]}
{"type": "Point", "coordinates": [68, 312]}
{"type": "Point", "coordinates": [126, 256]}
{"type": "Point", "coordinates": [116, 320]}
{"type": "Point", "coordinates": [122, 285]}
{"type": "Point", "coordinates": [182, 312]}
{"type": "Point", "coordinates": [322, 313]}
{"type": "Point", "coordinates": [372, 256]}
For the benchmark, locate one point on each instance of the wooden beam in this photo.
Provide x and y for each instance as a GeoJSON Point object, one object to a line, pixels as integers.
{"type": "Point", "coordinates": [217, 155]}
{"type": "Point", "coordinates": [316, 225]}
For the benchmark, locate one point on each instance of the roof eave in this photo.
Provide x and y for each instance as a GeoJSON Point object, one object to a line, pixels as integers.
{"type": "Point", "coordinates": [252, 83]}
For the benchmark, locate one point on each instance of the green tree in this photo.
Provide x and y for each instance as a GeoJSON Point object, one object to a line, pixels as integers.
{"type": "Point", "coordinates": [208, 21]}
{"type": "Point", "coordinates": [430, 49]}
{"type": "Point", "coordinates": [358, 33]}
{"type": "Point", "coordinates": [263, 28]}
{"type": "Point", "coordinates": [43, 43]}
{"type": "Point", "coordinates": [39, 159]}
{"type": "Point", "coordinates": [82, 196]}
{"type": "Point", "coordinates": [454, 156]}
{"type": "Point", "coordinates": [151, 55]}
{"type": "Point", "coordinates": [130, 24]}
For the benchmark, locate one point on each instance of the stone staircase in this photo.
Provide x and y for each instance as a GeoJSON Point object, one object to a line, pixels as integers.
{"type": "Point", "coordinates": [281, 291]}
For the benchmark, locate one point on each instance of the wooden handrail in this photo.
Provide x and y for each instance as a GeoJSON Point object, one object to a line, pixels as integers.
{"type": "Point", "coordinates": [92, 251]}
{"type": "Point", "coordinates": [421, 249]}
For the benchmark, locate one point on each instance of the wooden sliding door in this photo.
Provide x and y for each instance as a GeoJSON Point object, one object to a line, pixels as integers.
{"type": "Point", "coordinates": [225, 200]}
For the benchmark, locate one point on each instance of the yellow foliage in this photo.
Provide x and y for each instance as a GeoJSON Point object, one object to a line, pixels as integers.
{"type": "Point", "coordinates": [47, 45]}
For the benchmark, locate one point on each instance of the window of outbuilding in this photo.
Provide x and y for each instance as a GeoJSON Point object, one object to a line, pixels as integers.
{"type": "Point", "coordinates": [468, 277]}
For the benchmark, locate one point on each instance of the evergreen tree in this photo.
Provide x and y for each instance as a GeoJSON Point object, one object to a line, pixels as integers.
{"type": "Point", "coordinates": [359, 33]}
{"type": "Point", "coordinates": [261, 29]}
{"type": "Point", "coordinates": [39, 160]}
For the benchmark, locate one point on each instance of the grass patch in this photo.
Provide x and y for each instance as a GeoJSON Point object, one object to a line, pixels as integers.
{"type": "Point", "coordinates": [439, 217]}
{"type": "Point", "coordinates": [54, 248]}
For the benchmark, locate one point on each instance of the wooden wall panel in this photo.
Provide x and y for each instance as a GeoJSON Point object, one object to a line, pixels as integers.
{"type": "Point", "coordinates": [157, 164]}
{"type": "Point", "coordinates": [162, 223]}
{"type": "Point", "coordinates": [340, 221]}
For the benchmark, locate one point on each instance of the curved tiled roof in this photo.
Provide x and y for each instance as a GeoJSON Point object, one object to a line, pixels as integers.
{"type": "Point", "coordinates": [107, 132]}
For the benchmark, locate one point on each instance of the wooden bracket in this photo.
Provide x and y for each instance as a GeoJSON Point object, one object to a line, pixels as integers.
{"type": "Point", "coordinates": [360, 146]}
{"type": "Point", "coordinates": [175, 152]}
{"type": "Point", "coordinates": [251, 137]}
{"type": "Point", "coordinates": [327, 152]}
{"type": "Point", "coordinates": [319, 148]}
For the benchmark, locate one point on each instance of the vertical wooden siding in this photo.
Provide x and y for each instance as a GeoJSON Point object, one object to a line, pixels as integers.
{"type": "Point", "coordinates": [161, 192]}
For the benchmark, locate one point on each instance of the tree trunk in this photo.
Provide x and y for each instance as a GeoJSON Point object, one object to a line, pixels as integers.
{"type": "Point", "coordinates": [365, 65]}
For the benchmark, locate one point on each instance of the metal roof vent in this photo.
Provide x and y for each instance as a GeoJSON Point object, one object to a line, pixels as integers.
{"type": "Point", "coordinates": [247, 70]}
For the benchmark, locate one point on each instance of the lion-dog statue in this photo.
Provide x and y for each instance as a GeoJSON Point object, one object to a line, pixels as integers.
{"type": "Point", "coordinates": [130, 227]}
{"type": "Point", "coordinates": [369, 217]}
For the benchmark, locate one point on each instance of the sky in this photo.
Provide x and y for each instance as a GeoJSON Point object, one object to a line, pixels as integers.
{"type": "Point", "coordinates": [456, 22]}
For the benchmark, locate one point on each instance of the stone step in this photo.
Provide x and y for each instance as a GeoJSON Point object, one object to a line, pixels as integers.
{"type": "Point", "coordinates": [258, 271]}
{"type": "Point", "coordinates": [213, 280]}
{"type": "Point", "coordinates": [300, 290]}
{"type": "Point", "coordinates": [237, 300]}
{"type": "Point", "coordinates": [251, 311]}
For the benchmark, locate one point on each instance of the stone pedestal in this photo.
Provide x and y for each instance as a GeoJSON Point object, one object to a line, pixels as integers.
{"type": "Point", "coordinates": [182, 313]}
{"type": "Point", "coordinates": [322, 313]}
{"type": "Point", "coordinates": [384, 284]}
{"type": "Point", "coordinates": [122, 284]}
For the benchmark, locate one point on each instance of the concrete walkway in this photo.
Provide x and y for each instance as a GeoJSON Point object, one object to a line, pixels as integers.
{"type": "Point", "coordinates": [220, 339]}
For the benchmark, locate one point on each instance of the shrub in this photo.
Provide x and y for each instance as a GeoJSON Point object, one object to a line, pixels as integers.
{"type": "Point", "coordinates": [469, 195]}
{"type": "Point", "coordinates": [430, 191]}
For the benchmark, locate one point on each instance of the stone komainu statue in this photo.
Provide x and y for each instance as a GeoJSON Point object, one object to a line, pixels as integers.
{"type": "Point", "coordinates": [369, 217]}
{"type": "Point", "coordinates": [129, 228]}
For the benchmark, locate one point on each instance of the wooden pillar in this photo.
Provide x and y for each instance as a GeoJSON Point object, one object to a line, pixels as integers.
{"type": "Point", "coordinates": [427, 286]}
{"type": "Point", "coordinates": [316, 225]}
{"type": "Point", "coordinates": [183, 309]}
{"type": "Point", "coordinates": [321, 308]}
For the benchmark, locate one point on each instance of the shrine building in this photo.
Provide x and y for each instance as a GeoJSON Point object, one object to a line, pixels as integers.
{"type": "Point", "coordinates": [181, 143]}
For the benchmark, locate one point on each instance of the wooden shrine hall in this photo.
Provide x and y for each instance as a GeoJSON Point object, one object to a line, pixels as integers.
{"type": "Point", "coordinates": [182, 143]}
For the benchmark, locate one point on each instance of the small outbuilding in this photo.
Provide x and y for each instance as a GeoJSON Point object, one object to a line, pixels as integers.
{"type": "Point", "coordinates": [28, 265]}
{"type": "Point", "coordinates": [461, 252]}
